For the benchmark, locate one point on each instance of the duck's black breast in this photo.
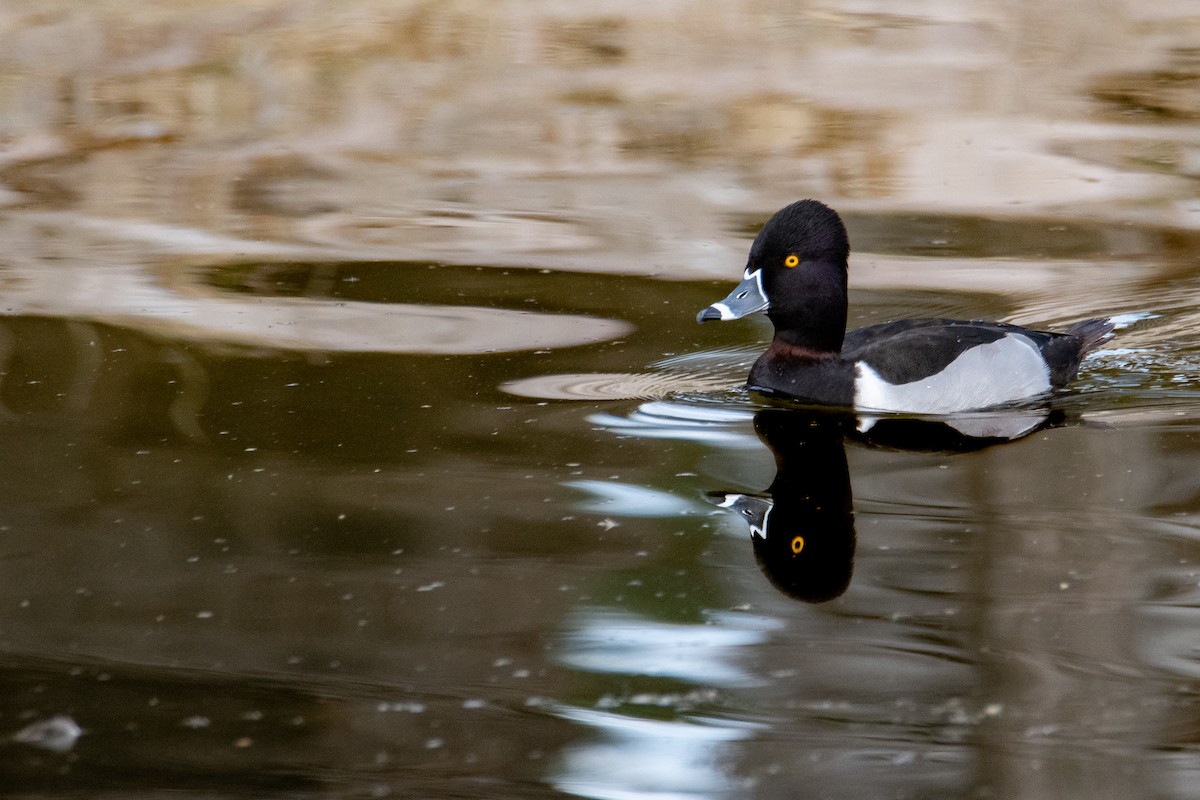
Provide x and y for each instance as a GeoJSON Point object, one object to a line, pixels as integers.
{"type": "Point", "coordinates": [821, 378]}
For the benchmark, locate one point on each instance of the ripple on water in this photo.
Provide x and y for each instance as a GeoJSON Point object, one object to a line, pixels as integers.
{"type": "Point", "coordinates": [706, 377]}
{"type": "Point", "coordinates": [1150, 371]}
{"type": "Point", "coordinates": [614, 385]}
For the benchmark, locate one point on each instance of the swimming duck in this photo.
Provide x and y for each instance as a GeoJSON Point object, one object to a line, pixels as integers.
{"type": "Point", "coordinates": [796, 273]}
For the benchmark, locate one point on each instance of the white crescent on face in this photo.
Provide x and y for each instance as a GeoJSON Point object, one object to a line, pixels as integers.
{"type": "Point", "coordinates": [1006, 370]}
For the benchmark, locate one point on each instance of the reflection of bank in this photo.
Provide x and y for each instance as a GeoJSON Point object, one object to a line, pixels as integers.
{"type": "Point", "coordinates": [257, 303]}
{"type": "Point", "coordinates": [802, 527]}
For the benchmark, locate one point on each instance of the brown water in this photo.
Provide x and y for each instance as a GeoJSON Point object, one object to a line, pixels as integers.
{"type": "Point", "coordinates": [359, 440]}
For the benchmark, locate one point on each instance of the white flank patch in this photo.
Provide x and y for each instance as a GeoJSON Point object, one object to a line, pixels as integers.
{"type": "Point", "coordinates": [1003, 371]}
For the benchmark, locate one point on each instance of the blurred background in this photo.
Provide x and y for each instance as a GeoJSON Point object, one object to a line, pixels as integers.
{"type": "Point", "coordinates": [335, 460]}
{"type": "Point", "coordinates": [618, 137]}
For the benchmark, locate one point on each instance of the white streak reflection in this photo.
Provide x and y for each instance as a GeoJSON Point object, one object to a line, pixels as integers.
{"type": "Point", "coordinates": [635, 758]}
{"type": "Point", "coordinates": [632, 501]}
{"type": "Point", "coordinates": [669, 420]}
{"type": "Point", "coordinates": [605, 640]}
{"type": "Point", "coordinates": [640, 759]}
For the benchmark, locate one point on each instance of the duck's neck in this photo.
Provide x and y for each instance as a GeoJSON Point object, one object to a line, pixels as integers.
{"type": "Point", "coordinates": [788, 345]}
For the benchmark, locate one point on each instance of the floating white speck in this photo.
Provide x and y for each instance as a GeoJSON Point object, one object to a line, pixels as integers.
{"type": "Point", "coordinates": [429, 587]}
{"type": "Point", "coordinates": [57, 734]}
{"type": "Point", "coordinates": [401, 706]}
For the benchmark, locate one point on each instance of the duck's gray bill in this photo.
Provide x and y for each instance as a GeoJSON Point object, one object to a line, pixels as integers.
{"type": "Point", "coordinates": [746, 298]}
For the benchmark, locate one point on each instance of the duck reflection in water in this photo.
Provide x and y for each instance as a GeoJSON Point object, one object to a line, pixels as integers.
{"type": "Point", "coordinates": [802, 526]}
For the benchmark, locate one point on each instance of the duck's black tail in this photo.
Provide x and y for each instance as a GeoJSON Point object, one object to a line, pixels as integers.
{"type": "Point", "coordinates": [1064, 352]}
{"type": "Point", "coordinates": [1092, 333]}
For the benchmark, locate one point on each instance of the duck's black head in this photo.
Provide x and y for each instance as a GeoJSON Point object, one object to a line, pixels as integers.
{"type": "Point", "coordinates": [796, 273]}
{"type": "Point", "coordinates": [807, 228]}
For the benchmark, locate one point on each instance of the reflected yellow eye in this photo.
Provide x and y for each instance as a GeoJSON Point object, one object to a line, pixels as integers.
{"type": "Point", "coordinates": [797, 545]}
{"type": "Point", "coordinates": [789, 262]}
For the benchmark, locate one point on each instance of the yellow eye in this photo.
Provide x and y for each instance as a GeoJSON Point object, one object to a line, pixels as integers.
{"type": "Point", "coordinates": [798, 542]}
{"type": "Point", "coordinates": [789, 262]}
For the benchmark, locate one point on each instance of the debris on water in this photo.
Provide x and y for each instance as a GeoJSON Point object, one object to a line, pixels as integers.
{"type": "Point", "coordinates": [1041, 731]}
{"type": "Point", "coordinates": [57, 734]}
{"type": "Point", "coordinates": [401, 706]}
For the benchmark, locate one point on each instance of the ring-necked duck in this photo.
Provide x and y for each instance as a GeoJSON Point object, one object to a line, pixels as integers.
{"type": "Point", "coordinates": [797, 275]}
